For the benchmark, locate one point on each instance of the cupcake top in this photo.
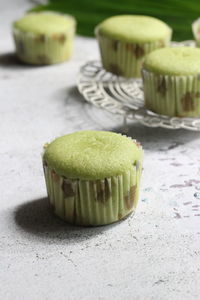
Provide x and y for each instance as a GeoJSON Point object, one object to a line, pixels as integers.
{"type": "Point", "coordinates": [92, 154]}
{"type": "Point", "coordinates": [45, 23]}
{"type": "Point", "coordinates": [174, 61]}
{"type": "Point", "coordinates": [140, 29]}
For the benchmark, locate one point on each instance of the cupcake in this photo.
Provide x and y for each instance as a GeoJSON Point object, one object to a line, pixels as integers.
{"type": "Point", "coordinates": [171, 78]}
{"type": "Point", "coordinates": [93, 177]}
{"type": "Point", "coordinates": [196, 31]}
{"type": "Point", "coordinates": [44, 38]}
{"type": "Point", "coordinates": [125, 40]}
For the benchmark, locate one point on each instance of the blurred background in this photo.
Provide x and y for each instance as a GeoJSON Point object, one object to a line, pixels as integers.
{"type": "Point", "coordinates": [179, 14]}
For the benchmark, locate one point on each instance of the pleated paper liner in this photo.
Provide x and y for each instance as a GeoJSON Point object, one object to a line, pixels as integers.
{"type": "Point", "coordinates": [171, 95]}
{"type": "Point", "coordinates": [93, 202]}
{"type": "Point", "coordinates": [126, 58]}
{"type": "Point", "coordinates": [41, 49]}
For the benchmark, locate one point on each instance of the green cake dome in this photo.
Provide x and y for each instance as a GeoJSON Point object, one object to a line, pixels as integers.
{"type": "Point", "coordinates": [92, 154]}
{"type": "Point", "coordinates": [44, 23]}
{"type": "Point", "coordinates": [133, 28]}
{"type": "Point", "coordinates": [174, 61]}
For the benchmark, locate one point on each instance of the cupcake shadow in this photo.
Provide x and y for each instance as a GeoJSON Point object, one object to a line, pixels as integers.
{"type": "Point", "coordinates": [153, 139]}
{"type": "Point", "coordinates": [73, 93]}
{"type": "Point", "coordinates": [158, 139]}
{"type": "Point", "coordinates": [36, 217]}
{"type": "Point", "coordinates": [10, 60]}
{"type": "Point", "coordinates": [95, 118]}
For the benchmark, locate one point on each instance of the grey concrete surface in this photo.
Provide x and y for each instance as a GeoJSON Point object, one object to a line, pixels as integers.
{"type": "Point", "coordinates": [152, 255]}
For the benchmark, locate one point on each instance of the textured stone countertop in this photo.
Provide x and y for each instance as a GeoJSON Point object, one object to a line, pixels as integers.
{"type": "Point", "coordinates": [152, 255]}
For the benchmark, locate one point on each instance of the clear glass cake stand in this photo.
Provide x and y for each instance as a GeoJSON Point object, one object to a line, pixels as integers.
{"type": "Point", "coordinates": [125, 96]}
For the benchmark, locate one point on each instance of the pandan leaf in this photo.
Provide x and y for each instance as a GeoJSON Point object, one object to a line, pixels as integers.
{"type": "Point", "coordinates": [179, 14]}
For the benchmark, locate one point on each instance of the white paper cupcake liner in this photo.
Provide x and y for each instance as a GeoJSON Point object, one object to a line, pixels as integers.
{"type": "Point", "coordinates": [169, 95]}
{"type": "Point", "coordinates": [125, 58]}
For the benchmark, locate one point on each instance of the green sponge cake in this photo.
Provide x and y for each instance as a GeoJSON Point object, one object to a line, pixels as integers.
{"type": "Point", "coordinates": [125, 40]}
{"type": "Point", "coordinates": [176, 61]}
{"type": "Point", "coordinates": [171, 81]}
{"type": "Point", "coordinates": [44, 38]}
{"type": "Point", "coordinates": [38, 23]}
{"type": "Point", "coordinates": [93, 177]}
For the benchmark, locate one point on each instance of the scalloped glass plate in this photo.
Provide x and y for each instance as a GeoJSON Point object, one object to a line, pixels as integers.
{"type": "Point", "coordinates": [125, 96]}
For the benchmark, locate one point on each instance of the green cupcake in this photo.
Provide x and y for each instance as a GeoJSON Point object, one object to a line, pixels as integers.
{"type": "Point", "coordinates": [125, 40]}
{"type": "Point", "coordinates": [44, 38]}
{"type": "Point", "coordinates": [171, 78]}
{"type": "Point", "coordinates": [93, 177]}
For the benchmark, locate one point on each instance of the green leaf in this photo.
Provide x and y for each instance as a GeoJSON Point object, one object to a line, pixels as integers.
{"type": "Point", "coordinates": [179, 14]}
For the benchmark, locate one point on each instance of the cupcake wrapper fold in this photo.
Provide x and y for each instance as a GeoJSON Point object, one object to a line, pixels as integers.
{"type": "Point", "coordinates": [43, 49]}
{"type": "Point", "coordinates": [126, 58]}
{"type": "Point", "coordinates": [171, 95]}
{"type": "Point", "coordinates": [93, 202]}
